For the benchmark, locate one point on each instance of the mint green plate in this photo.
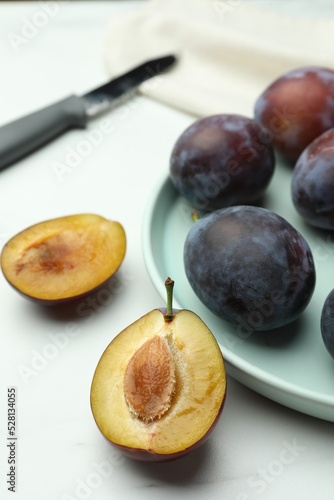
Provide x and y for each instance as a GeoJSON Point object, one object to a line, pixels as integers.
{"type": "Point", "coordinates": [289, 365]}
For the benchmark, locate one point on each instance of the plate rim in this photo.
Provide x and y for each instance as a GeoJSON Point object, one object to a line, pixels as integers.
{"type": "Point", "coordinates": [246, 367]}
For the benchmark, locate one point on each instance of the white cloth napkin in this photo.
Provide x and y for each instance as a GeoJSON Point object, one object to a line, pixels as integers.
{"type": "Point", "coordinates": [228, 51]}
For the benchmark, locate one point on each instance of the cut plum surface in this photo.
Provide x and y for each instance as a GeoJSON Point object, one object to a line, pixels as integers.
{"type": "Point", "coordinates": [64, 258]}
{"type": "Point", "coordinates": [159, 386]}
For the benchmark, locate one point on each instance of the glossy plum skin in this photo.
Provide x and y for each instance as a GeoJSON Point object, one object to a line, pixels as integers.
{"type": "Point", "coordinates": [250, 267]}
{"type": "Point", "coordinates": [312, 185]}
{"type": "Point", "coordinates": [327, 323]}
{"type": "Point", "coordinates": [296, 108]}
{"type": "Point", "coordinates": [222, 160]}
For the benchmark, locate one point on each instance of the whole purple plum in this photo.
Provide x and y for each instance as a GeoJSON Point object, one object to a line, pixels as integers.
{"type": "Point", "coordinates": [312, 185]}
{"type": "Point", "coordinates": [222, 160]}
{"type": "Point", "coordinates": [327, 323]}
{"type": "Point", "coordinates": [249, 266]}
{"type": "Point", "coordinates": [296, 108]}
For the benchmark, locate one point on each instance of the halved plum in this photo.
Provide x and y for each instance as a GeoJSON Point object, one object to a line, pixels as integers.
{"type": "Point", "coordinates": [62, 259]}
{"type": "Point", "coordinates": [159, 387]}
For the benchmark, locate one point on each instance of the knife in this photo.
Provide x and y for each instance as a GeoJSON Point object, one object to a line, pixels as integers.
{"type": "Point", "coordinates": [23, 136]}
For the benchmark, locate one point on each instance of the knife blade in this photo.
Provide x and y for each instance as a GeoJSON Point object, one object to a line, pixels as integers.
{"type": "Point", "coordinates": [25, 135]}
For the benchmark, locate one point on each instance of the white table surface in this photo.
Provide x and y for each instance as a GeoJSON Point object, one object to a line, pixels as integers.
{"type": "Point", "coordinates": [259, 449]}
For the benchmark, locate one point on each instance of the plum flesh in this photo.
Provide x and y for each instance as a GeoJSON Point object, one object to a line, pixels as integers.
{"type": "Point", "coordinates": [65, 258]}
{"type": "Point", "coordinates": [222, 160]}
{"type": "Point", "coordinates": [312, 184]}
{"type": "Point", "coordinates": [194, 405]}
{"type": "Point", "coordinates": [249, 266]}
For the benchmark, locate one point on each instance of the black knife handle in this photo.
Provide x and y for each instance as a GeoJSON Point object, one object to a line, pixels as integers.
{"type": "Point", "coordinates": [25, 135]}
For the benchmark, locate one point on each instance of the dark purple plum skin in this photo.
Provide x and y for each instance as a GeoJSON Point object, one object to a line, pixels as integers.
{"type": "Point", "coordinates": [222, 160]}
{"type": "Point", "coordinates": [327, 323]}
{"type": "Point", "coordinates": [312, 185]}
{"type": "Point", "coordinates": [249, 266]}
{"type": "Point", "coordinates": [296, 108]}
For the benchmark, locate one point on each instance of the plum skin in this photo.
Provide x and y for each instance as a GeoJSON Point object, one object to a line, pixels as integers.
{"type": "Point", "coordinates": [249, 266]}
{"type": "Point", "coordinates": [222, 160]}
{"type": "Point", "coordinates": [312, 185]}
{"type": "Point", "coordinates": [297, 107]}
{"type": "Point", "coordinates": [327, 323]}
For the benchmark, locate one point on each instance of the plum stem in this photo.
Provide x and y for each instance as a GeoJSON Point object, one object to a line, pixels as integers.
{"type": "Point", "coordinates": [194, 216]}
{"type": "Point", "coordinates": [169, 284]}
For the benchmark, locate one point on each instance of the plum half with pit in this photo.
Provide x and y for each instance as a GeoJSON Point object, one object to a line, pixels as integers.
{"type": "Point", "coordinates": [249, 266]}
{"type": "Point", "coordinates": [296, 108]}
{"type": "Point", "coordinates": [312, 185]}
{"type": "Point", "coordinates": [159, 387]}
{"type": "Point", "coordinates": [65, 258]}
{"type": "Point", "coordinates": [222, 160]}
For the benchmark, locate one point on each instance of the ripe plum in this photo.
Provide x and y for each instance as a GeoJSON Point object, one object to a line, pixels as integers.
{"type": "Point", "coordinates": [222, 160]}
{"type": "Point", "coordinates": [296, 108]}
{"type": "Point", "coordinates": [327, 323]}
{"type": "Point", "coordinates": [249, 266]}
{"type": "Point", "coordinates": [312, 185]}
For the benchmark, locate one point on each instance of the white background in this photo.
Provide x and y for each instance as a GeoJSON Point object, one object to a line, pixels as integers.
{"type": "Point", "coordinates": [259, 448]}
